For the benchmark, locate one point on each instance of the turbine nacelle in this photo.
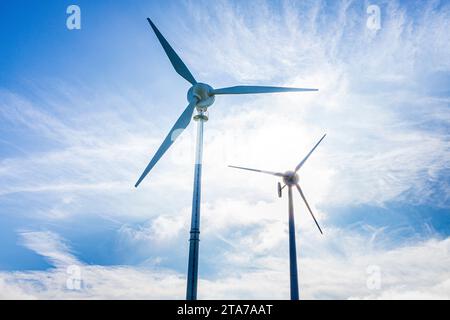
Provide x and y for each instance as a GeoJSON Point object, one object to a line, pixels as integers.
{"type": "Point", "coordinates": [203, 94]}
{"type": "Point", "coordinates": [290, 178]}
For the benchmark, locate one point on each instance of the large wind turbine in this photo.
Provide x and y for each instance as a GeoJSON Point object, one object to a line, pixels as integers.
{"type": "Point", "coordinates": [200, 96]}
{"type": "Point", "coordinates": [290, 179]}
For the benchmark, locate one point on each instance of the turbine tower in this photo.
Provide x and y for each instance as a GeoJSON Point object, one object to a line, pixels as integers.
{"type": "Point", "coordinates": [200, 96]}
{"type": "Point", "coordinates": [290, 179]}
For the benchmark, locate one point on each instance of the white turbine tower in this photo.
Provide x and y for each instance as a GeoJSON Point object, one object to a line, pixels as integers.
{"type": "Point", "coordinates": [200, 96]}
{"type": "Point", "coordinates": [290, 179]}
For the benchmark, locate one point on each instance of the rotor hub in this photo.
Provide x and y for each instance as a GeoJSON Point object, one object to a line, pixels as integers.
{"type": "Point", "coordinates": [203, 93]}
{"type": "Point", "coordinates": [290, 178]}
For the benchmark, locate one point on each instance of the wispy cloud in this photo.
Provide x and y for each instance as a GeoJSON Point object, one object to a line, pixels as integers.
{"type": "Point", "coordinates": [50, 246]}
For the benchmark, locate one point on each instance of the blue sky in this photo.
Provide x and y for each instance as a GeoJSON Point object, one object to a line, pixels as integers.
{"type": "Point", "coordinates": [82, 111]}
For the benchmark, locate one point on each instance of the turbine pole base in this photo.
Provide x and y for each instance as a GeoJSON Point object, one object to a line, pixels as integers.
{"type": "Point", "coordinates": [292, 249]}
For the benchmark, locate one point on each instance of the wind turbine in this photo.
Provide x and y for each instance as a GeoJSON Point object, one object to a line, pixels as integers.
{"type": "Point", "coordinates": [200, 96]}
{"type": "Point", "coordinates": [290, 179]}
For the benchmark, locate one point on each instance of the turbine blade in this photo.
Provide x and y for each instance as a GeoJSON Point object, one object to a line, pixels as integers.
{"type": "Point", "coordinates": [257, 89]}
{"type": "Point", "coordinates": [278, 174]}
{"type": "Point", "coordinates": [307, 156]}
{"type": "Point", "coordinates": [176, 61]}
{"type": "Point", "coordinates": [176, 130]}
{"type": "Point", "coordinates": [307, 205]}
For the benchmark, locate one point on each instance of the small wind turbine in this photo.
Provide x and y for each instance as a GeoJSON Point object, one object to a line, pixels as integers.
{"type": "Point", "coordinates": [290, 179]}
{"type": "Point", "coordinates": [200, 96]}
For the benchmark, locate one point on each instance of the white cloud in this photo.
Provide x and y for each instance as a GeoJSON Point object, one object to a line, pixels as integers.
{"type": "Point", "coordinates": [414, 272]}
{"type": "Point", "coordinates": [49, 245]}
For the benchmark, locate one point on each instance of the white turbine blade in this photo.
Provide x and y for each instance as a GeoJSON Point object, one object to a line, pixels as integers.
{"type": "Point", "coordinates": [176, 61]}
{"type": "Point", "coordinates": [176, 130]}
{"type": "Point", "coordinates": [257, 89]}
{"type": "Point", "coordinates": [278, 174]}
{"type": "Point", "coordinates": [307, 156]}
{"type": "Point", "coordinates": [307, 205]}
